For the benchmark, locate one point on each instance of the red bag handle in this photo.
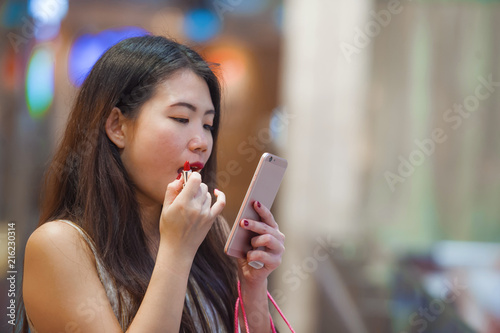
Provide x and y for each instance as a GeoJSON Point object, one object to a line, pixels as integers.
{"type": "Point", "coordinates": [240, 301]}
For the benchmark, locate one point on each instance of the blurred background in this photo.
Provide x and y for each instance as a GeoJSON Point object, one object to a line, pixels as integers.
{"type": "Point", "coordinates": [387, 112]}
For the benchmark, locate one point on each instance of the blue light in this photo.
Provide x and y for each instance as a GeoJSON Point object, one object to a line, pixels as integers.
{"type": "Point", "coordinates": [201, 25]}
{"type": "Point", "coordinates": [87, 49]}
{"type": "Point", "coordinates": [11, 13]}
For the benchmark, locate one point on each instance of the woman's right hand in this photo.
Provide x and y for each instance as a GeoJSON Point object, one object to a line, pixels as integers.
{"type": "Point", "coordinates": [188, 214]}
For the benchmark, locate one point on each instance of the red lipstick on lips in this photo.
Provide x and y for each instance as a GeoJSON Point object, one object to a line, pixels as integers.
{"type": "Point", "coordinates": [197, 166]}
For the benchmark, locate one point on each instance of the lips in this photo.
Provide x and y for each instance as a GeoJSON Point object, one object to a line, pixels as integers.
{"type": "Point", "coordinates": [195, 167]}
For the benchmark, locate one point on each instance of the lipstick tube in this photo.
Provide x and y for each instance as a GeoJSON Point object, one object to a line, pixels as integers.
{"type": "Point", "coordinates": [186, 172]}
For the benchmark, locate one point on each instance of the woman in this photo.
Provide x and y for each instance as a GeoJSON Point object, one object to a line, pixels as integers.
{"type": "Point", "coordinates": [122, 245]}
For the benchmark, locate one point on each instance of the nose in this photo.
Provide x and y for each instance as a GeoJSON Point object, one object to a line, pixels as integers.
{"type": "Point", "coordinates": [199, 142]}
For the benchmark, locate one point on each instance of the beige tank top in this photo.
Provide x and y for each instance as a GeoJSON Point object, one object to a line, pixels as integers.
{"type": "Point", "coordinates": [115, 296]}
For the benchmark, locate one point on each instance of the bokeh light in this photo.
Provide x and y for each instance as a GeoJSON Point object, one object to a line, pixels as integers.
{"type": "Point", "coordinates": [201, 25]}
{"type": "Point", "coordinates": [40, 81]}
{"type": "Point", "coordinates": [11, 13]}
{"type": "Point", "coordinates": [87, 49]}
{"type": "Point", "coordinates": [48, 12]}
{"type": "Point", "coordinates": [47, 16]}
{"type": "Point", "coordinates": [233, 60]}
{"type": "Point", "coordinates": [11, 70]}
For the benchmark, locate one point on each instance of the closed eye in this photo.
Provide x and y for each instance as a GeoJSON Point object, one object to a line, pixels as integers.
{"type": "Point", "coordinates": [186, 121]}
{"type": "Point", "coordinates": [180, 120]}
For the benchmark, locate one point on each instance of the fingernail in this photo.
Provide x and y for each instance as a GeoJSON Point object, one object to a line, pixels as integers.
{"type": "Point", "coordinates": [258, 204]}
{"type": "Point", "coordinates": [178, 176]}
{"type": "Point", "coordinates": [245, 222]}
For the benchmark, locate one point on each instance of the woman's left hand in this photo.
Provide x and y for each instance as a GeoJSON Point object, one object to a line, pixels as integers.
{"type": "Point", "coordinates": [270, 239]}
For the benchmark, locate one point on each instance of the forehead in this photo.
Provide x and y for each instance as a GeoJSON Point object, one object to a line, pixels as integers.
{"type": "Point", "coordinates": [184, 86]}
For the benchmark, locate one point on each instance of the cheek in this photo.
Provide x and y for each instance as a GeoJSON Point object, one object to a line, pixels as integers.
{"type": "Point", "coordinates": [152, 149]}
{"type": "Point", "coordinates": [160, 145]}
{"type": "Point", "coordinates": [164, 143]}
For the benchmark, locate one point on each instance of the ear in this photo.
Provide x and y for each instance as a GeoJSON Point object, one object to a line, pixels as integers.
{"type": "Point", "coordinates": [116, 127]}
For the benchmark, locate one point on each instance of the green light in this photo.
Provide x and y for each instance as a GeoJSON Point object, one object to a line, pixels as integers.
{"type": "Point", "coordinates": [40, 82]}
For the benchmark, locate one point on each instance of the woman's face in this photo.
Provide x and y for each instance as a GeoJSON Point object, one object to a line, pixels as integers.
{"type": "Point", "coordinates": [174, 126]}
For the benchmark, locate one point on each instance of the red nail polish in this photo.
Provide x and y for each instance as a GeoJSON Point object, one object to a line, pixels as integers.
{"type": "Point", "coordinates": [258, 204]}
{"type": "Point", "coordinates": [178, 176]}
{"type": "Point", "coordinates": [245, 222]}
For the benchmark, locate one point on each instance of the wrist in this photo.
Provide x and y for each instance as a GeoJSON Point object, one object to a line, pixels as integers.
{"type": "Point", "coordinates": [254, 293]}
{"type": "Point", "coordinates": [255, 306]}
{"type": "Point", "coordinates": [250, 281]}
{"type": "Point", "coordinates": [253, 285]}
{"type": "Point", "coordinates": [175, 260]}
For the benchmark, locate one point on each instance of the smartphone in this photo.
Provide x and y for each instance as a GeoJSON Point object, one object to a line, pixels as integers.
{"type": "Point", "coordinates": [263, 188]}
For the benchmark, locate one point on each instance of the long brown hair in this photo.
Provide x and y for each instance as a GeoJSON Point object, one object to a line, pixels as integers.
{"type": "Point", "coordinates": [87, 182]}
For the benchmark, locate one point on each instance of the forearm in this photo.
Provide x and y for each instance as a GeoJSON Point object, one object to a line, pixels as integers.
{"type": "Point", "coordinates": [256, 307]}
{"type": "Point", "coordinates": [161, 308]}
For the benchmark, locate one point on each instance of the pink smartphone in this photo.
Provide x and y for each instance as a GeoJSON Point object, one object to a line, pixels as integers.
{"type": "Point", "coordinates": [263, 188]}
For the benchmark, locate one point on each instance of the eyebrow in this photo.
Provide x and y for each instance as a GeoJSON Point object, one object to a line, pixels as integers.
{"type": "Point", "coordinates": [192, 107]}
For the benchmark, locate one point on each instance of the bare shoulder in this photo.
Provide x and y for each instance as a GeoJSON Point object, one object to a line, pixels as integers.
{"type": "Point", "coordinates": [55, 228]}
{"type": "Point", "coordinates": [56, 249]}
{"type": "Point", "coordinates": [61, 283]}
{"type": "Point", "coordinates": [57, 238]}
